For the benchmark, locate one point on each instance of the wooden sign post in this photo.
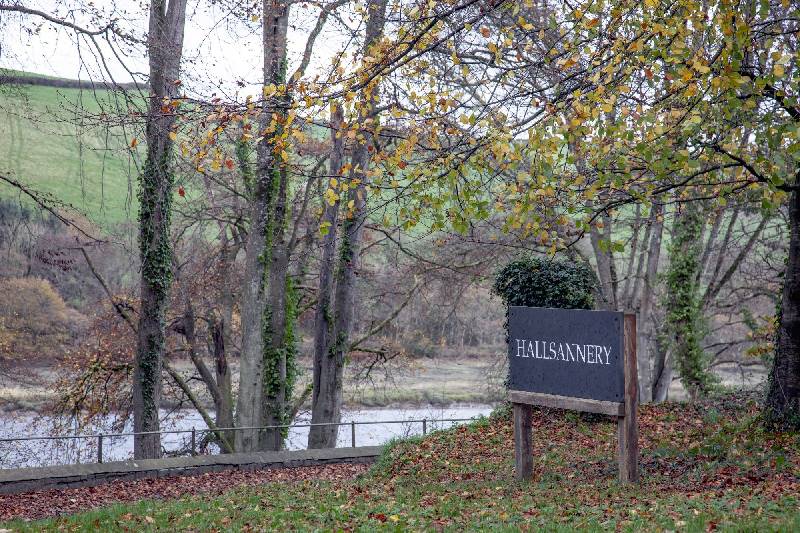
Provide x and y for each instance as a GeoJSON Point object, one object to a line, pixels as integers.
{"type": "Point", "coordinates": [578, 360]}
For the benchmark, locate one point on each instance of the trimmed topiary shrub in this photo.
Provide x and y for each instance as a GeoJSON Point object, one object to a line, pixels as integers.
{"type": "Point", "coordinates": [544, 282]}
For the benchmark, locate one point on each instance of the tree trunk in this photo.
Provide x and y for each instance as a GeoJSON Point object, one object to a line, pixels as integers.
{"type": "Point", "coordinates": [222, 338]}
{"type": "Point", "coordinates": [604, 257]}
{"type": "Point", "coordinates": [632, 269]}
{"type": "Point", "coordinates": [715, 286]}
{"type": "Point", "coordinates": [251, 372]}
{"type": "Point", "coordinates": [278, 343]}
{"type": "Point", "coordinates": [633, 301]}
{"type": "Point", "coordinates": [662, 374]}
{"type": "Point", "coordinates": [257, 320]}
{"type": "Point", "coordinates": [278, 318]}
{"type": "Point", "coordinates": [708, 247]}
{"type": "Point", "coordinates": [327, 380]}
{"type": "Point", "coordinates": [328, 399]}
{"type": "Point", "coordinates": [164, 45]}
{"type": "Point", "coordinates": [783, 395]}
{"type": "Point", "coordinates": [224, 403]}
{"type": "Point", "coordinates": [684, 319]}
{"type": "Point", "coordinates": [646, 343]}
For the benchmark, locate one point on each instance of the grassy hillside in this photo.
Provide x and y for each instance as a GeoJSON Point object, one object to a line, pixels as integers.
{"type": "Point", "coordinates": [54, 140]}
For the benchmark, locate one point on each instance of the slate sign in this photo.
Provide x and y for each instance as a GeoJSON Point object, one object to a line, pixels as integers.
{"type": "Point", "coordinates": [566, 352]}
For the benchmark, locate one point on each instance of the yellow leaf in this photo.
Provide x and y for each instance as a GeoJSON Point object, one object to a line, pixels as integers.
{"type": "Point", "coordinates": [331, 197]}
{"type": "Point", "coordinates": [778, 70]}
{"type": "Point", "coordinates": [173, 135]}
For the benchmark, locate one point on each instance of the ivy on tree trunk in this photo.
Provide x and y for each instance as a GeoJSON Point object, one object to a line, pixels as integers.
{"type": "Point", "coordinates": [268, 306]}
{"type": "Point", "coordinates": [165, 44]}
{"type": "Point", "coordinates": [685, 321]}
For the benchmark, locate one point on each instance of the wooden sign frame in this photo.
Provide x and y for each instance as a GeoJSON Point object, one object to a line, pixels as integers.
{"type": "Point", "coordinates": [625, 413]}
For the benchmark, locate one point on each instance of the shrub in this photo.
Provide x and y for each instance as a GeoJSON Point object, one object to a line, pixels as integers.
{"type": "Point", "coordinates": [34, 317]}
{"type": "Point", "coordinates": [544, 282]}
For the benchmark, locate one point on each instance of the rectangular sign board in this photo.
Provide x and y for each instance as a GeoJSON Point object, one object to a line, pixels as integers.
{"type": "Point", "coordinates": [567, 352]}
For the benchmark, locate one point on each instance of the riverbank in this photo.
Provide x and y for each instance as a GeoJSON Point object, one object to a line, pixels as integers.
{"type": "Point", "coordinates": [442, 381]}
{"type": "Point", "coordinates": [405, 383]}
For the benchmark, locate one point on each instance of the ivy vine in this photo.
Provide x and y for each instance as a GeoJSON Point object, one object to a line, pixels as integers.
{"type": "Point", "coordinates": [686, 325]}
{"type": "Point", "coordinates": [155, 252]}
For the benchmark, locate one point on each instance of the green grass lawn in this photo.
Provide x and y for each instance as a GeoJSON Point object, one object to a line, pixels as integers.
{"type": "Point", "coordinates": [705, 467]}
{"type": "Point", "coordinates": [55, 140]}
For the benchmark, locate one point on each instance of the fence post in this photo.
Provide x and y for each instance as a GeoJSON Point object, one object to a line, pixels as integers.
{"type": "Point", "coordinates": [194, 442]}
{"type": "Point", "coordinates": [353, 432]}
{"type": "Point", "coordinates": [424, 426]}
{"type": "Point", "coordinates": [100, 448]}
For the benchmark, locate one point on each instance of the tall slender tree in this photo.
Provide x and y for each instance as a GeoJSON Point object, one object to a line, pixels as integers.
{"type": "Point", "coordinates": [262, 382]}
{"type": "Point", "coordinates": [164, 47]}
{"type": "Point", "coordinates": [327, 376]}
{"type": "Point", "coordinates": [332, 349]}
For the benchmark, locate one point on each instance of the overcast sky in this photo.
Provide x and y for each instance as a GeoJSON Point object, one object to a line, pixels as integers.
{"type": "Point", "coordinates": [220, 50]}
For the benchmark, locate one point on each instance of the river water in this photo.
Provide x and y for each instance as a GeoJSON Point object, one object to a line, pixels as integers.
{"type": "Point", "coordinates": [15, 454]}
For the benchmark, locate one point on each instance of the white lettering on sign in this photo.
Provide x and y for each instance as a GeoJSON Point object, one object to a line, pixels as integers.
{"type": "Point", "coordinates": [564, 351]}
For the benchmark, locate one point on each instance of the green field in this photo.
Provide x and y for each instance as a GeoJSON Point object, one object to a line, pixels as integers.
{"type": "Point", "coordinates": [56, 141]}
